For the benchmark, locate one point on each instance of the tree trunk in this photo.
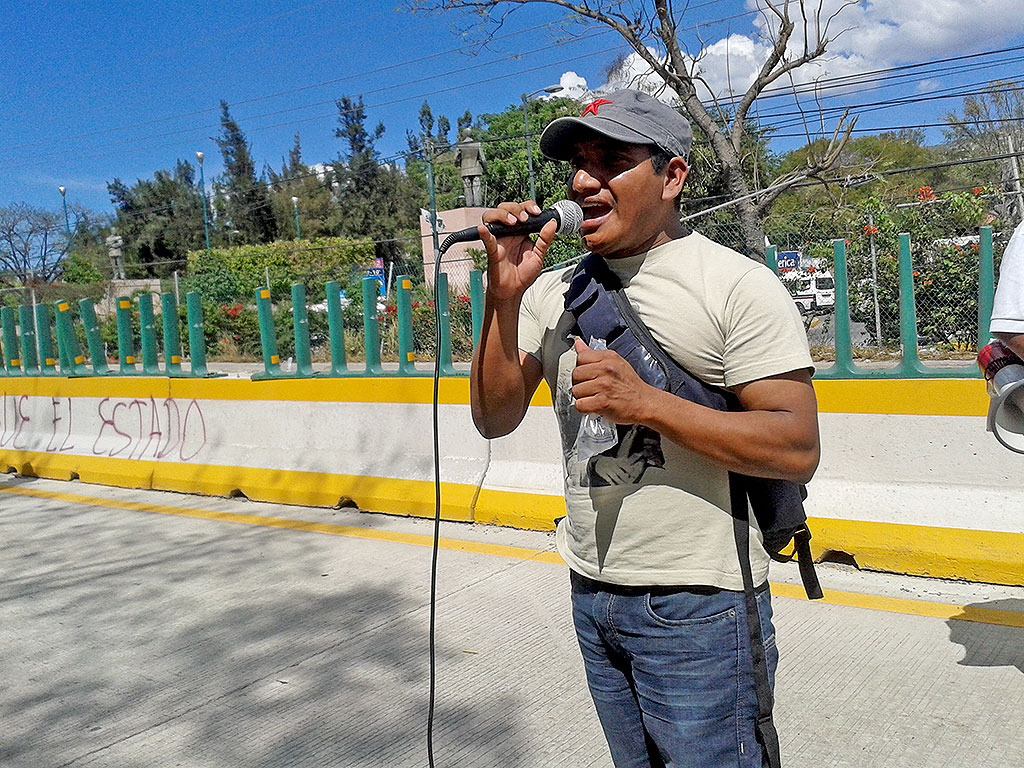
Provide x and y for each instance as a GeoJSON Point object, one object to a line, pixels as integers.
{"type": "Point", "coordinates": [751, 230]}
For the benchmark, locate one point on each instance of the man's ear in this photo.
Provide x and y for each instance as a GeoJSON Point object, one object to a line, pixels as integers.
{"type": "Point", "coordinates": [675, 176]}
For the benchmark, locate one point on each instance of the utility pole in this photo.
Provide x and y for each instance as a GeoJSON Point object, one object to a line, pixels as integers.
{"type": "Point", "coordinates": [67, 226]}
{"type": "Point", "coordinates": [202, 187]}
{"type": "Point", "coordinates": [1016, 177]}
{"type": "Point", "coordinates": [874, 278]}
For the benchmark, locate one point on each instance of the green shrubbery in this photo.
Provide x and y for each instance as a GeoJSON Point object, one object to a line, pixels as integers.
{"type": "Point", "coordinates": [227, 274]}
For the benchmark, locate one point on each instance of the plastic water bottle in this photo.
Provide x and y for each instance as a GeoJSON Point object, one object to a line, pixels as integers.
{"type": "Point", "coordinates": [596, 434]}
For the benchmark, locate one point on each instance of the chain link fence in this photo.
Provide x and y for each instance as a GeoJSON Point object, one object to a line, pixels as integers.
{"type": "Point", "coordinates": [945, 253]}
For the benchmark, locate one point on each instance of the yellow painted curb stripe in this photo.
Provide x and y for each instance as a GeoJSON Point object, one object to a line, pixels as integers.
{"type": "Point", "coordinates": [832, 597]}
{"type": "Point", "coordinates": [905, 397]}
{"type": "Point", "coordinates": [949, 553]}
{"type": "Point", "coordinates": [311, 489]}
{"type": "Point", "coordinates": [928, 397]}
{"type": "Point", "coordinates": [455, 545]}
{"type": "Point", "coordinates": [905, 606]}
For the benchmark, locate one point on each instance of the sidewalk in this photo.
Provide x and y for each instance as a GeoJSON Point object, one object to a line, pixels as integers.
{"type": "Point", "coordinates": [146, 629]}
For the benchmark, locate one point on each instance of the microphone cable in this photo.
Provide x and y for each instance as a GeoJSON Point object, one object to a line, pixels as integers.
{"type": "Point", "coordinates": [569, 216]}
{"type": "Point", "coordinates": [437, 500]}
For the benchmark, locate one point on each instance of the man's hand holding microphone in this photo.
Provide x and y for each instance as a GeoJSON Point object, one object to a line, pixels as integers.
{"type": "Point", "coordinates": [604, 383]}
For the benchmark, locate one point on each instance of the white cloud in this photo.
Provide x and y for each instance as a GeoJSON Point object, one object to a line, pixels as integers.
{"type": "Point", "coordinates": [70, 183]}
{"type": "Point", "coordinates": [869, 35]}
{"type": "Point", "coordinates": [573, 87]}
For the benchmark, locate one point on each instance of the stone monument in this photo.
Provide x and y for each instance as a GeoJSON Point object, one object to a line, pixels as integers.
{"type": "Point", "coordinates": [469, 155]}
{"type": "Point", "coordinates": [114, 245]}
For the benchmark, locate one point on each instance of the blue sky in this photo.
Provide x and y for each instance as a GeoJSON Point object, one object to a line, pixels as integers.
{"type": "Point", "coordinates": [98, 90]}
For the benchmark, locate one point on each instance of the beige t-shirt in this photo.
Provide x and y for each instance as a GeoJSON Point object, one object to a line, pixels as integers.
{"type": "Point", "coordinates": [649, 512]}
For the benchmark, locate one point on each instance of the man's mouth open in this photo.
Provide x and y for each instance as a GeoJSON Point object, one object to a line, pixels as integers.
{"type": "Point", "coordinates": [594, 215]}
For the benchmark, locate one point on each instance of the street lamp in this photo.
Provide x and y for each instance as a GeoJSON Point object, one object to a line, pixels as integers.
{"type": "Point", "coordinates": [202, 187]}
{"type": "Point", "coordinates": [67, 226]}
{"type": "Point", "coordinates": [295, 205]}
{"type": "Point", "coordinates": [526, 125]}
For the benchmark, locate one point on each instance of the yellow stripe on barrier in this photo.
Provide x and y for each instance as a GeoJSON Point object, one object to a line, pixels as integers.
{"type": "Point", "coordinates": [832, 597]}
{"type": "Point", "coordinates": [950, 553]}
{"type": "Point", "coordinates": [926, 397]}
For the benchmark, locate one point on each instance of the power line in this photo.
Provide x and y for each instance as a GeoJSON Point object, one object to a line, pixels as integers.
{"type": "Point", "coordinates": [334, 114]}
{"type": "Point", "coordinates": [334, 81]}
{"type": "Point", "coordinates": [374, 71]}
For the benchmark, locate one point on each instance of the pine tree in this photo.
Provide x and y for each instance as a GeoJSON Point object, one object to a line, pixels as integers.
{"type": "Point", "coordinates": [247, 203]}
{"type": "Point", "coordinates": [374, 199]}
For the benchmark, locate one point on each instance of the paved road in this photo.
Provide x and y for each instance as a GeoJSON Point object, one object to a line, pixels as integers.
{"type": "Point", "coordinates": [144, 629]}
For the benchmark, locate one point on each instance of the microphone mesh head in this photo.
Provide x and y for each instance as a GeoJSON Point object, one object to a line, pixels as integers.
{"type": "Point", "coordinates": [570, 217]}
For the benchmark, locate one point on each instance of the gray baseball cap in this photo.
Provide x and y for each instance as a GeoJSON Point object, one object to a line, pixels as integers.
{"type": "Point", "coordinates": [629, 116]}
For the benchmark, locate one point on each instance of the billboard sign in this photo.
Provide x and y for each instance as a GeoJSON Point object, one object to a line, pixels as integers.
{"type": "Point", "coordinates": [787, 260]}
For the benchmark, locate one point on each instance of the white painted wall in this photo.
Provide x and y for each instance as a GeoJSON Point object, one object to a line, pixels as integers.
{"type": "Point", "coordinates": [943, 471]}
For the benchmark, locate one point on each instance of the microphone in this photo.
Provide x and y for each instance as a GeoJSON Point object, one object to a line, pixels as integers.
{"type": "Point", "coordinates": [567, 213]}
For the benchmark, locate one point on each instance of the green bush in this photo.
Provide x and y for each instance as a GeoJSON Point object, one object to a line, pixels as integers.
{"type": "Point", "coordinates": [311, 262]}
{"type": "Point", "coordinates": [78, 271]}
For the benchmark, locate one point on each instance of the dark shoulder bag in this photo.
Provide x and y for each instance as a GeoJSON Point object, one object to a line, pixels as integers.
{"type": "Point", "coordinates": [597, 302]}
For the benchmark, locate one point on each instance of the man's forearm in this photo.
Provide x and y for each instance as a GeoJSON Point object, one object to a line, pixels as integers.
{"type": "Point", "coordinates": [497, 384]}
{"type": "Point", "coordinates": [776, 444]}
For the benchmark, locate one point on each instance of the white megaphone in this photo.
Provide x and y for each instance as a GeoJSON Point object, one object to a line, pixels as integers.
{"type": "Point", "coordinates": [1004, 372]}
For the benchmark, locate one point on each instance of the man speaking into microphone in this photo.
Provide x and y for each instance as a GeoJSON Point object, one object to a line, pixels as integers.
{"type": "Point", "coordinates": [657, 591]}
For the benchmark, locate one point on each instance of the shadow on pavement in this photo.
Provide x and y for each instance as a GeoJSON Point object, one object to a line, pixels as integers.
{"type": "Point", "coordinates": [989, 645]}
{"type": "Point", "coordinates": [133, 640]}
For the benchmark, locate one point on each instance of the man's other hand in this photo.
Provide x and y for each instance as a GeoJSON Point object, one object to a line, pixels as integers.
{"type": "Point", "coordinates": [605, 384]}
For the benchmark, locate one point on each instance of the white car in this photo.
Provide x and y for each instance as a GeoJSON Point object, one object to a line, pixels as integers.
{"type": "Point", "coordinates": [812, 291]}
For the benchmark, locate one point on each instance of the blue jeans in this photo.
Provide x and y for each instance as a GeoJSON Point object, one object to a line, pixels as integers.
{"type": "Point", "coordinates": [670, 672]}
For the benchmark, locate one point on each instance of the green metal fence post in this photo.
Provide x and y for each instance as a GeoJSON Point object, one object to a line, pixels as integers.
{"type": "Point", "coordinates": [336, 330]}
{"type": "Point", "coordinates": [147, 333]}
{"type": "Point", "coordinates": [911, 362]}
{"type": "Point", "coordinates": [300, 326]}
{"type": "Point", "coordinates": [97, 355]}
{"type": "Point", "coordinates": [172, 338]}
{"type": "Point", "coordinates": [196, 334]}
{"type": "Point", "coordinates": [844, 346]}
{"type": "Point", "coordinates": [986, 286]}
{"type": "Point", "coordinates": [72, 363]}
{"type": "Point", "coordinates": [476, 302]}
{"type": "Point", "coordinates": [406, 355]}
{"type": "Point", "coordinates": [47, 362]}
{"type": "Point", "coordinates": [125, 340]}
{"type": "Point", "coordinates": [12, 357]}
{"type": "Point", "coordinates": [771, 259]}
{"type": "Point", "coordinates": [371, 326]}
{"type": "Point", "coordinates": [444, 312]}
{"type": "Point", "coordinates": [268, 342]}
{"type": "Point", "coordinates": [29, 358]}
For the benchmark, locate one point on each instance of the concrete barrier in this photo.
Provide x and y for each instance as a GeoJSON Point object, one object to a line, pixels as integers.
{"type": "Point", "coordinates": [909, 481]}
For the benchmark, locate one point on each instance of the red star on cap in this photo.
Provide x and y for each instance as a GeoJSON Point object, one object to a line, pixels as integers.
{"type": "Point", "coordinates": [592, 107]}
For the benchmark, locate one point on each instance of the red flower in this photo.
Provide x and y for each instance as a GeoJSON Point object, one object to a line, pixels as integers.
{"type": "Point", "coordinates": [917, 274]}
{"type": "Point", "coordinates": [924, 194]}
{"type": "Point", "coordinates": [978, 191]}
{"type": "Point", "coordinates": [869, 230]}
{"type": "Point", "coordinates": [976, 246]}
